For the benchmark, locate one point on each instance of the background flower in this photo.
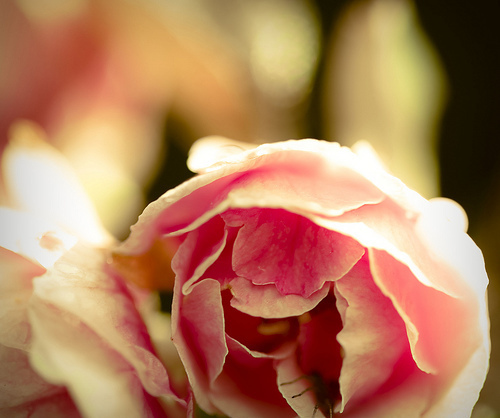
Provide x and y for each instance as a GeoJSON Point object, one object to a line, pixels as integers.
{"type": "Point", "coordinates": [74, 338]}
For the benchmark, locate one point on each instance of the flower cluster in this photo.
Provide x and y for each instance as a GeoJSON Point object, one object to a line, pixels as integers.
{"type": "Point", "coordinates": [307, 281]}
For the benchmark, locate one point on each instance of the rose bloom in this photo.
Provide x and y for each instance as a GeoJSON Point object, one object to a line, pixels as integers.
{"type": "Point", "coordinates": [75, 338]}
{"type": "Point", "coordinates": [311, 282]}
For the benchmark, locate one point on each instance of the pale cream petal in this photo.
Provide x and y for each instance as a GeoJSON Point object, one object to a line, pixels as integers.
{"type": "Point", "coordinates": [38, 179]}
{"type": "Point", "coordinates": [89, 337]}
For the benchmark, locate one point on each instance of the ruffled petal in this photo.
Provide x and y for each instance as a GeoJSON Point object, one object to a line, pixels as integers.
{"type": "Point", "coordinates": [276, 246]}
{"type": "Point", "coordinates": [198, 334]}
{"type": "Point", "coordinates": [373, 336]}
{"type": "Point", "coordinates": [280, 175]}
{"type": "Point", "coordinates": [436, 323]}
{"type": "Point", "coordinates": [266, 302]}
{"type": "Point", "coordinates": [200, 249]}
{"type": "Point", "coordinates": [257, 334]}
{"type": "Point", "coordinates": [295, 387]}
{"type": "Point", "coordinates": [89, 337]}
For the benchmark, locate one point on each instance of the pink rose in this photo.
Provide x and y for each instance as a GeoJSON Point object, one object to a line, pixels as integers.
{"type": "Point", "coordinates": [73, 336]}
{"type": "Point", "coordinates": [310, 282]}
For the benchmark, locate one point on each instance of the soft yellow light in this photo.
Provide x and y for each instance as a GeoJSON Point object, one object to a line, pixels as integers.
{"type": "Point", "coordinates": [284, 48]}
{"type": "Point", "coordinates": [33, 237]}
{"type": "Point", "coordinates": [39, 180]}
{"type": "Point", "coordinates": [385, 84]}
{"type": "Point", "coordinates": [48, 11]}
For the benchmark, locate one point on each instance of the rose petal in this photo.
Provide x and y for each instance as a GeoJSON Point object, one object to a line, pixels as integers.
{"type": "Point", "coordinates": [433, 337]}
{"type": "Point", "coordinates": [464, 392]}
{"type": "Point", "coordinates": [280, 175]}
{"type": "Point", "coordinates": [266, 302]}
{"type": "Point", "coordinates": [373, 335]}
{"type": "Point", "coordinates": [222, 268]}
{"type": "Point", "coordinates": [247, 387]}
{"type": "Point", "coordinates": [441, 231]}
{"type": "Point", "coordinates": [200, 249]}
{"type": "Point", "coordinates": [16, 274]}
{"type": "Point", "coordinates": [198, 334]}
{"type": "Point", "coordinates": [409, 398]}
{"type": "Point", "coordinates": [275, 246]}
{"type": "Point", "coordinates": [22, 387]}
{"type": "Point", "coordinates": [425, 239]}
{"type": "Point", "coordinates": [259, 335]}
{"type": "Point", "coordinates": [100, 381]}
{"type": "Point", "coordinates": [89, 336]}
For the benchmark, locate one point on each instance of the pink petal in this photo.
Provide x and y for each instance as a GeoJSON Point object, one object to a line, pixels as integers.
{"type": "Point", "coordinates": [260, 335]}
{"type": "Point", "coordinates": [275, 246]}
{"type": "Point", "coordinates": [280, 175]}
{"type": "Point", "coordinates": [436, 323]}
{"type": "Point", "coordinates": [464, 389]}
{"type": "Point", "coordinates": [200, 249]}
{"type": "Point", "coordinates": [247, 387]}
{"type": "Point", "coordinates": [266, 302]}
{"type": "Point", "coordinates": [408, 397]}
{"type": "Point", "coordinates": [198, 334]}
{"type": "Point", "coordinates": [415, 232]}
{"type": "Point", "coordinates": [373, 335]}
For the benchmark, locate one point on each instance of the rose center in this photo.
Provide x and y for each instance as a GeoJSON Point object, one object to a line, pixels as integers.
{"type": "Point", "coordinates": [319, 354]}
{"type": "Point", "coordinates": [255, 333]}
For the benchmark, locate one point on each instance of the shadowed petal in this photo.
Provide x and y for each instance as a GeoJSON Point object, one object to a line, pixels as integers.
{"type": "Point", "coordinates": [247, 387]}
{"type": "Point", "coordinates": [373, 335]}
